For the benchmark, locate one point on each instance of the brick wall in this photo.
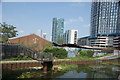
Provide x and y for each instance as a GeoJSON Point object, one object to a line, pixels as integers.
{"type": "Point", "coordinates": [37, 64]}
{"type": "Point", "coordinates": [32, 40]}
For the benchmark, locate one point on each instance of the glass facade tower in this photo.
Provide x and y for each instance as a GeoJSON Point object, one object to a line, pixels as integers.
{"type": "Point", "coordinates": [105, 18]}
{"type": "Point", "coordinates": [57, 29]}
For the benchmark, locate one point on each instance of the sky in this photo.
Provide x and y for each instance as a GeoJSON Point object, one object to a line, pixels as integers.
{"type": "Point", "coordinates": [32, 17]}
{"type": "Point", "coordinates": [0, 12]}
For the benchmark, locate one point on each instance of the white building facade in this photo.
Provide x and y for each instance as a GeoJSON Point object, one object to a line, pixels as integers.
{"type": "Point", "coordinates": [102, 41]}
{"type": "Point", "coordinates": [70, 37]}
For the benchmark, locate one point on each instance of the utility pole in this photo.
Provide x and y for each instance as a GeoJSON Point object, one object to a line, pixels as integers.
{"type": "Point", "coordinates": [41, 33]}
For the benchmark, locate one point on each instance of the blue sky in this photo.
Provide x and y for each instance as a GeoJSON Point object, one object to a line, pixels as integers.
{"type": "Point", "coordinates": [31, 17]}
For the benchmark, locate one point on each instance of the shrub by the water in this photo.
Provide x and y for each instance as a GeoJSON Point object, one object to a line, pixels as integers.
{"type": "Point", "coordinates": [57, 52]}
{"type": "Point", "coordinates": [87, 53]}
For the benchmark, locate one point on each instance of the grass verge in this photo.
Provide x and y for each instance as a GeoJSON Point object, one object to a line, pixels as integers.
{"type": "Point", "coordinates": [18, 58]}
{"type": "Point", "coordinates": [111, 63]}
{"type": "Point", "coordinates": [80, 58]}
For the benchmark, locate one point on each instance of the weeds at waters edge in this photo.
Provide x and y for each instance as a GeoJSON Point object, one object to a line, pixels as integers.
{"type": "Point", "coordinates": [62, 68]}
{"type": "Point", "coordinates": [66, 67]}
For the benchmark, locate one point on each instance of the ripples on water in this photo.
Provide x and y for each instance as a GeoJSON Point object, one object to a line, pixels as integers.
{"type": "Point", "coordinates": [83, 71]}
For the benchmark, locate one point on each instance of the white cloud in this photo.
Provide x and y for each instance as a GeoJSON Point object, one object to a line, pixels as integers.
{"type": "Point", "coordinates": [65, 22]}
{"type": "Point", "coordinates": [87, 25]}
{"type": "Point", "coordinates": [78, 4]}
{"type": "Point", "coordinates": [38, 32]}
{"type": "Point", "coordinates": [81, 19]}
{"type": "Point", "coordinates": [73, 20]}
{"type": "Point", "coordinates": [21, 31]}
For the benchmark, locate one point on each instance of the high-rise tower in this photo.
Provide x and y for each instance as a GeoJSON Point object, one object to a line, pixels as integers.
{"type": "Point", "coordinates": [105, 18]}
{"type": "Point", "coordinates": [70, 37]}
{"type": "Point", "coordinates": [57, 29]}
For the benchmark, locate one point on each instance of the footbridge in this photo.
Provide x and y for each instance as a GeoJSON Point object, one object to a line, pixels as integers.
{"type": "Point", "coordinates": [13, 50]}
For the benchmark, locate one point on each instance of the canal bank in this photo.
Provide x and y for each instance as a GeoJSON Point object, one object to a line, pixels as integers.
{"type": "Point", "coordinates": [72, 71]}
{"type": "Point", "coordinates": [25, 64]}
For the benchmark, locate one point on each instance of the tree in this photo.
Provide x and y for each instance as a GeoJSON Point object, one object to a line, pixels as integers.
{"type": "Point", "coordinates": [48, 45]}
{"type": "Point", "coordinates": [79, 50]}
{"type": "Point", "coordinates": [57, 52]}
{"type": "Point", "coordinates": [60, 41]}
{"type": "Point", "coordinates": [7, 31]}
{"type": "Point", "coordinates": [87, 53]}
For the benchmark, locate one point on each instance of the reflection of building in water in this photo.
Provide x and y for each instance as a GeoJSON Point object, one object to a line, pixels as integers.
{"type": "Point", "coordinates": [119, 77]}
{"type": "Point", "coordinates": [103, 72]}
{"type": "Point", "coordinates": [98, 75]}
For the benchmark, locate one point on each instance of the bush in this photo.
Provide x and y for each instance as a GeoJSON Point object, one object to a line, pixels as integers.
{"type": "Point", "coordinates": [90, 53]}
{"type": "Point", "coordinates": [87, 53]}
{"type": "Point", "coordinates": [57, 52]}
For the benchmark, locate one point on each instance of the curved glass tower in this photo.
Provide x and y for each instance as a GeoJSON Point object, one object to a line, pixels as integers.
{"type": "Point", "coordinates": [57, 29]}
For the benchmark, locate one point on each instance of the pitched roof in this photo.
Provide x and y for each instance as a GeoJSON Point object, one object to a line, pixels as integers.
{"type": "Point", "coordinates": [27, 36]}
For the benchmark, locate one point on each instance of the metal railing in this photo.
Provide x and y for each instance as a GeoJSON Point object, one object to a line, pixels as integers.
{"type": "Point", "coordinates": [13, 50]}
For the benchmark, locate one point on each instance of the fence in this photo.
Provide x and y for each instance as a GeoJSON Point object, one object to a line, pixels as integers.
{"type": "Point", "coordinates": [13, 50]}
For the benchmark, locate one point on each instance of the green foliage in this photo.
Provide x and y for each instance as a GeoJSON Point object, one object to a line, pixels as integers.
{"type": "Point", "coordinates": [79, 50]}
{"type": "Point", "coordinates": [65, 67]}
{"type": "Point", "coordinates": [90, 53]}
{"type": "Point", "coordinates": [84, 68]}
{"type": "Point", "coordinates": [25, 75]}
{"type": "Point", "coordinates": [18, 58]}
{"type": "Point", "coordinates": [48, 45]}
{"type": "Point", "coordinates": [111, 63]}
{"type": "Point", "coordinates": [57, 52]}
{"type": "Point", "coordinates": [82, 58]}
{"type": "Point", "coordinates": [87, 53]}
{"type": "Point", "coordinates": [8, 31]}
{"type": "Point", "coordinates": [108, 50]}
{"type": "Point", "coordinates": [60, 41]}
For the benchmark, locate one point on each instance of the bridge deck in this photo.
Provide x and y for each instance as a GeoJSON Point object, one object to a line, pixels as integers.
{"type": "Point", "coordinates": [13, 50]}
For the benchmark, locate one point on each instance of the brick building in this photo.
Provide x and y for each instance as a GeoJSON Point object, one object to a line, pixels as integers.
{"type": "Point", "coordinates": [33, 41]}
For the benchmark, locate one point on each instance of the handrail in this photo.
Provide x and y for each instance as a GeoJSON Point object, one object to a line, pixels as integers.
{"type": "Point", "coordinates": [10, 49]}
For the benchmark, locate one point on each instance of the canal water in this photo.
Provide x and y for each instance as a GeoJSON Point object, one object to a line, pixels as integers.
{"type": "Point", "coordinates": [86, 72]}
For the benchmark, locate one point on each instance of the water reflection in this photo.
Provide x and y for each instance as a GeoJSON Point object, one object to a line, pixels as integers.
{"type": "Point", "coordinates": [93, 71]}
{"type": "Point", "coordinates": [83, 71]}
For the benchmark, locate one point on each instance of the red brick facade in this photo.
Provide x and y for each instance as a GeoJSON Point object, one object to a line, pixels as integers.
{"type": "Point", "coordinates": [33, 41]}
